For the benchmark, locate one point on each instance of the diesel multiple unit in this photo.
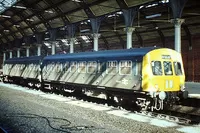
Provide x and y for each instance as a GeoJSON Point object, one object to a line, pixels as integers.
{"type": "Point", "coordinates": [151, 77]}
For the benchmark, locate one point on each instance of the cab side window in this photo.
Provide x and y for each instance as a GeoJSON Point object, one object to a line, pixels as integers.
{"type": "Point", "coordinates": [156, 67]}
{"type": "Point", "coordinates": [177, 68]}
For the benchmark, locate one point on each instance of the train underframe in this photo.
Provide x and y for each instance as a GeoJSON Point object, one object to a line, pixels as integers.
{"type": "Point", "coordinates": [120, 97]}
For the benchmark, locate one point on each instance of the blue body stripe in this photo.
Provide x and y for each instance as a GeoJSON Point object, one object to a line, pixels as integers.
{"type": "Point", "coordinates": [24, 60]}
{"type": "Point", "coordinates": [135, 54]}
{"type": "Point", "coordinates": [126, 54]}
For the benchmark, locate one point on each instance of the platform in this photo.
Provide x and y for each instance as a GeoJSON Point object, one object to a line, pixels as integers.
{"type": "Point", "coordinates": [193, 88]}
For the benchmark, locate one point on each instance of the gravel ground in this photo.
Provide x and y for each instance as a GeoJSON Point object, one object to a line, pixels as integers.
{"type": "Point", "coordinates": [23, 112]}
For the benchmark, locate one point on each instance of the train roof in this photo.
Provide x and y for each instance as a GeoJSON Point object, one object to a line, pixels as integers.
{"type": "Point", "coordinates": [24, 60]}
{"type": "Point", "coordinates": [135, 53]}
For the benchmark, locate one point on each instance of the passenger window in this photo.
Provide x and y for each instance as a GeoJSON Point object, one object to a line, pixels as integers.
{"type": "Point", "coordinates": [30, 67]}
{"type": "Point", "coordinates": [66, 66]}
{"type": "Point", "coordinates": [177, 68]}
{"type": "Point", "coordinates": [92, 67]}
{"type": "Point", "coordinates": [58, 67]}
{"type": "Point", "coordinates": [125, 67]}
{"type": "Point", "coordinates": [156, 67]}
{"type": "Point", "coordinates": [22, 67]}
{"type": "Point", "coordinates": [17, 67]}
{"type": "Point", "coordinates": [111, 67]}
{"type": "Point", "coordinates": [73, 67]}
{"type": "Point", "coordinates": [82, 67]}
{"type": "Point", "coordinates": [167, 68]}
{"type": "Point", "coordinates": [51, 66]}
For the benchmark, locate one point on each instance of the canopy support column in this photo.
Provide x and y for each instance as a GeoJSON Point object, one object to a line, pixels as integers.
{"type": "Point", "coordinates": [129, 37]}
{"type": "Point", "coordinates": [95, 23]}
{"type": "Point", "coordinates": [72, 45]}
{"type": "Point", "coordinates": [18, 52]}
{"type": "Point", "coordinates": [39, 46]}
{"type": "Point", "coordinates": [53, 48]}
{"type": "Point", "coordinates": [4, 56]}
{"type": "Point", "coordinates": [96, 38]}
{"type": "Point", "coordinates": [177, 39]}
{"type": "Point", "coordinates": [10, 53]}
{"type": "Point", "coordinates": [27, 51]}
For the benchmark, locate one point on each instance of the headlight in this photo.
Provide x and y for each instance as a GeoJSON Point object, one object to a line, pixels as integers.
{"type": "Point", "coordinates": [162, 95]}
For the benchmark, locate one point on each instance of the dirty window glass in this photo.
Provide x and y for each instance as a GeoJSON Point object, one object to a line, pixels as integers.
{"type": "Point", "coordinates": [167, 68]}
{"type": "Point", "coordinates": [177, 68]}
{"type": "Point", "coordinates": [156, 67]}
{"type": "Point", "coordinates": [125, 67]}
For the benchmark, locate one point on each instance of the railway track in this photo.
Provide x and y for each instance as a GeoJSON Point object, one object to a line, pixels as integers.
{"type": "Point", "coordinates": [165, 116]}
{"type": "Point", "coordinates": [187, 115]}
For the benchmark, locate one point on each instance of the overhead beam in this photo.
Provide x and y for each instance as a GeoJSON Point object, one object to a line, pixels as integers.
{"type": "Point", "coordinates": [122, 4]}
{"type": "Point", "coordinates": [45, 21]}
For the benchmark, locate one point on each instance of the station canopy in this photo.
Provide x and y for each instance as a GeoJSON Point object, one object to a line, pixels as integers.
{"type": "Point", "coordinates": [22, 20]}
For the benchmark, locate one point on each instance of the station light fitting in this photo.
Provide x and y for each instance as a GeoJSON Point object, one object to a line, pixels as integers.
{"type": "Point", "coordinates": [20, 7]}
{"type": "Point", "coordinates": [165, 1]}
{"type": "Point", "coordinates": [5, 16]}
{"type": "Point", "coordinates": [47, 38]}
{"type": "Point", "coordinates": [49, 11]}
{"type": "Point", "coordinates": [120, 12]}
{"type": "Point", "coordinates": [31, 20]}
{"type": "Point", "coordinates": [6, 31]}
{"type": "Point", "coordinates": [153, 16]}
{"type": "Point", "coordinates": [16, 25]}
{"type": "Point", "coordinates": [84, 30]}
{"type": "Point", "coordinates": [77, 1]}
{"type": "Point", "coordinates": [64, 40]}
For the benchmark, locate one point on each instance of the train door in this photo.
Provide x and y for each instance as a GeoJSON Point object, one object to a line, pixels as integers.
{"type": "Point", "coordinates": [169, 80]}
{"type": "Point", "coordinates": [179, 74]}
{"type": "Point", "coordinates": [157, 80]}
{"type": "Point", "coordinates": [136, 75]}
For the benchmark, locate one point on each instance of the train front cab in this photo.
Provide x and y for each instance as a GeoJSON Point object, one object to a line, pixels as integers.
{"type": "Point", "coordinates": [163, 77]}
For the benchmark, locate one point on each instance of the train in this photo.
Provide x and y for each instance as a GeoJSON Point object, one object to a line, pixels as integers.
{"type": "Point", "coordinates": [151, 77]}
